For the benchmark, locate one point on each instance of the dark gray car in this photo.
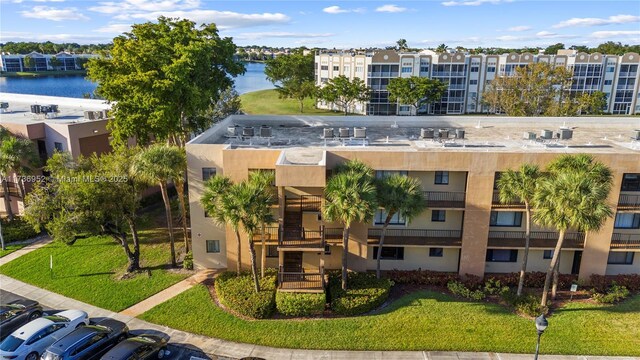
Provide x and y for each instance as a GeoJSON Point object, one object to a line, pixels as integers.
{"type": "Point", "coordinates": [143, 347]}
{"type": "Point", "coordinates": [17, 313]}
{"type": "Point", "coordinates": [88, 342]}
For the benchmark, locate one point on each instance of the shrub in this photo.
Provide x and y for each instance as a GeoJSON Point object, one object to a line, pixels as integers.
{"type": "Point", "coordinates": [238, 294]}
{"type": "Point", "coordinates": [365, 292]}
{"type": "Point", "coordinates": [187, 262]}
{"type": "Point", "coordinates": [472, 282]}
{"type": "Point", "coordinates": [528, 304]}
{"type": "Point", "coordinates": [17, 230]}
{"type": "Point", "coordinates": [494, 287]}
{"type": "Point", "coordinates": [534, 279]}
{"type": "Point", "coordinates": [613, 294]}
{"type": "Point", "coordinates": [459, 289]}
{"type": "Point", "coordinates": [602, 283]}
{"type": "Point", "coordinates": [422, 277]}
{"type": "Point", "coordinates": [300, 304]}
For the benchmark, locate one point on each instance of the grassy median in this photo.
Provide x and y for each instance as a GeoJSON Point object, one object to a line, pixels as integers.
{"type": "Point", "coordinates": [267, 102]}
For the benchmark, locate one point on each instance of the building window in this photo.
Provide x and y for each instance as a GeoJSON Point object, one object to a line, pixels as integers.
{"type": "Point", "coordinates": [389, 253]}
{"type": "Point", "coordinates": [436, 252]}
{"type": "Point", "coordinates": [491, 69]}
{"type": "Point", "coordinates": [424, 69]}
{"type": "Point", "coordinates": [610, 68]}
{"type": "Point", "coordinates": [213, 246]}
{"type": "Point", "coordinates": [438, 215]}
{"type": "Point", "coordinates": [631, 182]}
{"type": "Point", "coordinates": [324, 67]}
{"type": "Point", "coordinates": [608, 82]}
{"type": "Point", "coordinates": [272, 251]}
{"type": "Point", "coordinates": [406, 69]}
{"type": "Point", "coordinates": [442, 178]}
{"type": "Point", "coordinates": [500, 255]}
{"type": "Point", "coordinates": [381, 174]}
{"type": "Point", "coordinates": [208, 173]}
{"type": "Point", "coordinates": [547, 254]}
{"type": "Point", "coordinates": [396, 219]}
{"type": "Point", "coordinates": [627, 221]}
{"type": "Point", "coordinates": [336, 68]}
{"type": "Point", "coordinates": [620, 258]}
{"type": "Point", "coordinates": [58, 147]}
{"type": "Point", "coordinates": [359, 68]}
{"type": "Point", "coordinates": [327, 249]}
{"type": "Point", "coordinates": [473, 82]}
{"type": "Point", "coordinates": [474, 69]}
{"type": "Point", "coordinates": [506, 218]}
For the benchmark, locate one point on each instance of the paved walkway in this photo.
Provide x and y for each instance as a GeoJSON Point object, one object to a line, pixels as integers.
{"type": "Point", "coordinates": [221, 349]}
{"type": "Point", "coordinates": [34, 244]}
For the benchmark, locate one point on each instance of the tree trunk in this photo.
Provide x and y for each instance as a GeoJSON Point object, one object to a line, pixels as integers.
{"type": "Point", "coordinates": [23, 192]}
{"type": "Point", "coordinates": [133, 257]}
{"type": "Point", "coordinates": [167, 209]}
{"type": "Point", "coordinates": [239, 250]}
{"type": "Point", "coordinates": [527, 240]}
{"type": "Point", "coordinates": [263, 253]}
{"type": "Point", "coordinates": [254, 265]}
{"type": "Point", "coordinates": [556, 274]}
{"type": "Point", "coordinates": [381, 243]}
{"type": "Point", "coordinates": [2, 238]}
{"type": "Point", "coordinates": [345, 254]}
{"type": "Point", "coordinates": [301, 105]}
{"type": "Point", "coordinates": [179, 184]}
{"type": "Point", "coordinates": [7, 198]}
{"type": "Point", "coordinates": [554, 261]}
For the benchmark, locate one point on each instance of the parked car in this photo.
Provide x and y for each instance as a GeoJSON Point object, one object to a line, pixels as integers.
{"type": "Point", "coordinates": [31, 340]}
{"type": "Point", "coordinates": [143, 347]}
{"type": "Point", "coordinates": [17, 313]}
{"type": "Point", "coordinates": [88, 342]}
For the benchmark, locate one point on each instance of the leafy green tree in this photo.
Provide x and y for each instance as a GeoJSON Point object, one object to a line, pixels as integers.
{"type": "Point", "coordinates": [401, 45]}
{"type": "Point", "coordinates": [17, 156]}
{"type": "Point", "coordinates": [229, 103]}
{"type": "Point", "coordinates": [521, 185]}
{"type": "Point", "coordinates": [442, 48]}
{"type": "Point", "coordinates": [344, 92]}
{"type": "Point", "coordinates": [401, 195]}
{"type": "Point", "coordinates": [416, 90]}
{"type": "Point", "coordinates": [263, 181]}
{"type": "Point", "coordinates": [158, 165]}
{"type": "Point", "coordinates": [293, 76]}
{"type": "Point", "coordinates": [55, 63]}
{"type": "Point", "coordinates": [592, 103]}
{"type": "Point", "coordinates": [81, 203]}
{"type": "Point", "coordinates": [350, 198]}
{"type": "Point", "coordinates": [28, 62]}
{"type": "Point", "coordinates": [81, 62]}
{"type": "Point", "coordinates": [553, 49]}
{"type": "Point", "coordinates": [162, 77]}
{"type": "Point", "coordinates": [572, 196]}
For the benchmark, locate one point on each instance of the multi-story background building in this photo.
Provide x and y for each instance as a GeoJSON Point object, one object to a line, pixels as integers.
{"type": "Point", "coordinates": [464, 228]}
{"type": "Point", "coordinates": [469, 75]}
{"type": "Point", "coordinates": [42, 62]}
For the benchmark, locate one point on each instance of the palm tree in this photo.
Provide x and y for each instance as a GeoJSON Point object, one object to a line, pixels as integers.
{"type": "Point", "coordinates": [398, 194]}
{"type": "Point", "coordinates": [263, 180]}
{"type": "Point", "coordinates": [570, 199]}
{"type": "Point", "coordinates": [350, 197]}
{"type": "Point", "coordinates": [520, 185]}
{"type": "Point", "coordinates": [159, 164]}
{"type": "Point", "coordinates": [179, 182]}
{"type": "Point", "coordinates": [17, 155]}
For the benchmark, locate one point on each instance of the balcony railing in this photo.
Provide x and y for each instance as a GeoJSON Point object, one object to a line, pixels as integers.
{"type": "Point", "coordinates": [629, 201]}
{"type": "Point", "coordinates": [383, 74]}
{"type": "Point", "coordinates": [302, 239]}
{"type": "Point", "coordinates": [538, 239]}
{"type": "Point", "coordinates": [301, 281]}
{"type": "Point", "coordinates": [497, 204]}
{"type": "Point", "coordinates": [304, 203]}
{"type": "Point", "coordinates": [333, 234]}
{"type": "Point", "coordinates": [13, 189]}
{"type": "Point", "coordinates": [444, 199]}
{"type": "Point", "coordinates": [272, 234]}
{"type": "Point", "coordinates": [416, 237]}
{"type": "Point", "coordinates": [625, 241]}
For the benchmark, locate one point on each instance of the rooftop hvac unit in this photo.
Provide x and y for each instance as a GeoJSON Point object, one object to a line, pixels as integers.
{"type": "Point", "coordinates": [265, 131]}
{"type": "Point", "coordinates": [327, 133]}
{"type": "Point", "coordinates": [529, 135]}
{"type": "Point", "coordinates": [546, 134]}
{"type": "Point", "coordinates": [53, 108]}
{"type": "Point", "coordinates": [344, 132]}
{"type": "Point", "coordinates": [637, 137]}
{"type": "Point", "coordinates": [444, 133]}
{"type": "Point", "coordinates": [4, 105]}
{"type": "Point", "coordinates": [359, 132]}
{"type": "Point", "coordinates": [89, 115]}
{"type": "Point", "coordinates": [45, 109]}
{"type": "Point", "coordinates": [247, 131]}
{"type": "Point", "coordinates": [459, 133]}
{"type": "Point", "coordinates": [232, 130]}
{"type": "Point", "coordinates": [426, 133]}
{"type": "Point", "coordinates": [98, 114]}
{"type": "Point", "coordinates": [35, 109]}
{"type": "Point", "coordinates": [565, 134]}
{"type": "Point", "coordinates": [105, 114]}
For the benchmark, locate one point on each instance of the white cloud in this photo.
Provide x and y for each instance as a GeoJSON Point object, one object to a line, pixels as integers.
{"type": "Point", "coordinates": [114, 28]}
{"type": "Point", "coordinates": [29, 36]}
{"type": "Point", "coordinates": [54, 14]}
{"type": "Point", "coordinates": [390, 8]}
{"type": "Point", "coordinates": [280, 34]}
{"type": "Point", "coordinates": [338, 10]}
{"type": "Point", "coordinates": [615, 19]}
{"type": "Point", "coordinates": [128, 6]}
{"type": "Point", "coordinates": [519, 28]}
{"type": "Point", "coordinates": [541, 36]}
{"type": "Point", "coordinates": [615, 34]}
{"type": "Point", "coordinates": [223, 19]}
{"type": "Point", "coordinates": [474, 2]}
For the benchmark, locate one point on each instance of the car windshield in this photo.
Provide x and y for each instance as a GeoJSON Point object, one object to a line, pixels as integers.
{"type": "Point", "coordinates": [11, 343]}
{"type": "Point", "coordinates": [50, 356]}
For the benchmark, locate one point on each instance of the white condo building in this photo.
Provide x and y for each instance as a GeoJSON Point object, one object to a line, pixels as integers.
{"type": "Point", "coordinates": [42, 62]}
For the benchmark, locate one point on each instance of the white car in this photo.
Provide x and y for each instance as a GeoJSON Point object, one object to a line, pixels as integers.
{"type": "Point", "coordinates": [32, 339]}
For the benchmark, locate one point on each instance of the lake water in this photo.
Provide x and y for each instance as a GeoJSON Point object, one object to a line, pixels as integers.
{"type": "Point", "coordinates": [76, 86]}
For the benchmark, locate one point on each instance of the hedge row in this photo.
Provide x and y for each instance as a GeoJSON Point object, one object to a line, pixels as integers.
{"type": "Point", "coordinates": [300, 304]}
{"type": "Point", "coordinates": [17, 230]}
{"type": "Point", "coordinates": [238, 294]}
{"type": "Point", "coordinates": [602, 284]}
{"type": "Point", "coordinates": [364, 293]}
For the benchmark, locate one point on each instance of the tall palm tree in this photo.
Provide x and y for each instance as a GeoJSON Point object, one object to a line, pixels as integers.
{"type": "Point", "coordinates": [179, 182]}
{"type": "Point", "coordinates": [350, 198]}
{"type": "Point", "coordinates": [569, 199]}
{"type": "Point", "coordinates": [263, 182]}
{"type": "Point", "coordinates": [520, 185]}
{"type": "Point", "coordinates": [398, 194]}
{"type": "Point", "coordinates": [17, 155]}
{"type": "Point", "coordinates": [158, 164]}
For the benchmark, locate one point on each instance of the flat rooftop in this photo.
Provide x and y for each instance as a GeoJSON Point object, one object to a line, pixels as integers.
{"type": "Point", "coordinates": [604, 134]}
{"type": "Point", "coordinates": [70, 110]}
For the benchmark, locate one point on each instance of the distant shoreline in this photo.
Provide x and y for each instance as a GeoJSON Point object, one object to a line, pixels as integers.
{"type": "Point", "coordinates": [43, 73]}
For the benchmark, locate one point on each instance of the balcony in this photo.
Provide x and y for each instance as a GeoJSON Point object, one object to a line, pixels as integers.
{"type": "Point", "coordinates": [539, 239]}
{"type": "Point", "coordinates": [312, 282]}
{"type": "Point", "coordinates": [304, 203]}
{"type": "Point", "coordinates": [13, 189]}
{"type": "Point", "coordinates": [445, 199]}
{"type": "Point", "coordinates": [495, 203]}
{"type": "Point", "coordinates": [629, 202]}
{"type": "Point", "coordinates": [272, 234]}
{"type": "Point", "coordinates": [333, 235]}
{"type": "Point", "coordinates": [301, 240]}
{"type": "Point", "coordinates": [384, 74]}
{"type": "Point", "coordinates": [625, 241]}
{"type": "Point", "coordinates": [425, 237]}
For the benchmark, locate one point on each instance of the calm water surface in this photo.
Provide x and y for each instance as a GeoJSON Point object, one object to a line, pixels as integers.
{"type": "Point", "coordinates": [76, 86]}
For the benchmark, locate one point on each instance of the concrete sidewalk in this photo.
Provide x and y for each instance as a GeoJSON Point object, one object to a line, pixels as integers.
{"type": "Point", "coordinates": [34, 244]}
{"type": "Point", "coordinates": [220, 349]}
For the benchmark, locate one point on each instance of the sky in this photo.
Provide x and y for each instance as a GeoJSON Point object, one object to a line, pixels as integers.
{"type": "Point", "coordinates": [336, 24]}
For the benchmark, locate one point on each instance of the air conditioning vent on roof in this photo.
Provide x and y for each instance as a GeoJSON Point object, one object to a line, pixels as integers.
{"type": "Point", "coordinates": [637, 137]}
{"type": "Point", "coordinates": [89, 115]}
{"type": "Point", "coordinates": [327, 133]}
{"type": "Point", "coordinates": [344, 132]}
{"type": "Point", "coordinates": [546, 134]}
{"type": "Point", "coordinates": [247, 131]}
{"type": "Point", "coordinates": [565, 134]}
{"type": "Point", "coordinates": [459, 133]}
{"type": "Point", "coordinates": [529, 135]}
{"type": "Point", "coordinates": [444, 133]}
{"type": "Point", "coordinates": [35, 109]}
{"type": "Point", "coordinates": [360, 132]}
{"type": "Point", "coordinates": [265, 131]}
{"type": "Point", "coordinates": [426, 133]}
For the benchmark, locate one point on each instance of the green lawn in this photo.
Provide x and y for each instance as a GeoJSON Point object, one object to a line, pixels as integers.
{"type": "Point", "coordinates": [267, 102]}
{"type": "Point", "coordinates": [421, 321]}
{"type": "Point", "coordinates": [11, 248]}
{"type": "Point", "coordinates": [90, 269]}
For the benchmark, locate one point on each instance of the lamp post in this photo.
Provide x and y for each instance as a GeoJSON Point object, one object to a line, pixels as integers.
{"type": "Point", "coordinates": [541, 325]}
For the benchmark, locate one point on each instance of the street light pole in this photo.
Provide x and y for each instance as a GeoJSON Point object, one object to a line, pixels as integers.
{"type": "Point", "coordinates": [537, 346]}
{"type": "Point", "coordinates": [541, 325]}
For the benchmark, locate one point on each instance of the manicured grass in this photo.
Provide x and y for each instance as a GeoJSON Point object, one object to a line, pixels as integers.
{"type": "Point", "coordinates": [90, 269]}
{"type": "Point", "coordinates": [421, 321]}
{"type": "Point", "coordinates": [11, 248]}
{"type": "Point", "coordinates": [267, 102]}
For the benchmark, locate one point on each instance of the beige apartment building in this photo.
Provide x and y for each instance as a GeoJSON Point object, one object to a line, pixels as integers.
{"type": "Point", "coordinates": [464, 228]}
{"type": "Point", "coordinates": [469, 75]}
